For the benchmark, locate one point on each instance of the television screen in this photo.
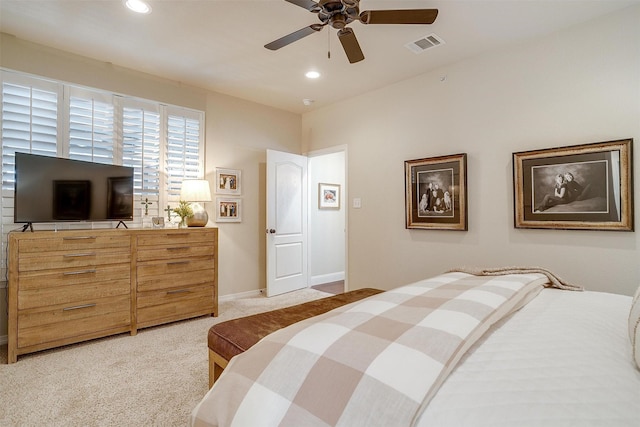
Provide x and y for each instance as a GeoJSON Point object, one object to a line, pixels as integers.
{"type": "Point", "coordinates": [52, 189]}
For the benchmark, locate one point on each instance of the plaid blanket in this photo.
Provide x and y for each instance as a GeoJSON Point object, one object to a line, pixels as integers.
{"type": "Point", "coordinates": [376, 362]}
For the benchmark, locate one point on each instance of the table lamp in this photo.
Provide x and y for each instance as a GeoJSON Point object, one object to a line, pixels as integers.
{"type": "Point", "coordinates": [196, 191]}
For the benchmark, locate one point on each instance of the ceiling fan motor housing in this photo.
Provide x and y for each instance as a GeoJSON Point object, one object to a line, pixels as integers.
{"type": "Point", "coordinates": [338, 13]}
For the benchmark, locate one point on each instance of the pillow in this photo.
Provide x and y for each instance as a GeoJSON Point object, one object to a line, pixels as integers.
{"type": "Point", "coordinates": [634, 327]}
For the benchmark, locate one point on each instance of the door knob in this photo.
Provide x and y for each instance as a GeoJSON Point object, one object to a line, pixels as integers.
{"type": "Point", "coordinates": [271, 231]}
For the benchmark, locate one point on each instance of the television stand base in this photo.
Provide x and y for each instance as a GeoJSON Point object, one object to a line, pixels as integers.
{"type": "Point", "coordinates": [29, 226]}
{"type": "Point", "coordinates": [121, 222]}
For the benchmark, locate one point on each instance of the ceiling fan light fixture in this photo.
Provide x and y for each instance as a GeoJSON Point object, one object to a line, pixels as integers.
{"type": "Point", "coordinates": [138, 6]}
{"type": "Point", "coordinates": [312, 74]}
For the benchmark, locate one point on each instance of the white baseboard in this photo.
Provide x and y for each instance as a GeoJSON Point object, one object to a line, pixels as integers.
{"type": "Point", "coordinates": [326, 278]}
{"type": "Point", "coordinates": [313, 281]}
{"type": "Point", "coordinates": [248, 294]}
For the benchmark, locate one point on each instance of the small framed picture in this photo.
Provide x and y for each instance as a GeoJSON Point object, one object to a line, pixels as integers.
{"type": "Point", "coordinates": [228, 181]}
{"type": "Point", "coordinates": [228, 209]}
{"type": "Point", "coordinates": [579, 187]}
{"type": "Point", "coordinates": [436, 193]}
{"type": "Point", "coordinates": [328, 196]}
{"type": "Point", "coordinates": [157, 221]}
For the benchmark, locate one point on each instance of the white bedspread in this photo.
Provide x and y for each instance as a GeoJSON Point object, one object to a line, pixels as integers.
{"type": "Point", "coordinates": [562, 360]}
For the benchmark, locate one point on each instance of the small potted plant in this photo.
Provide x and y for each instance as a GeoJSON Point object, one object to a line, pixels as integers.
{"type": "Point", "coordinates": [184, 211]}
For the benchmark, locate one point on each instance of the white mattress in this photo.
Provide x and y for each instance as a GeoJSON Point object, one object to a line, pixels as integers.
{"type": "Point", "coordinates": [563, 360]}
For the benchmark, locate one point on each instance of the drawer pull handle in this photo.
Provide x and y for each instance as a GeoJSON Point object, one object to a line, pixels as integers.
{"type": "Point", "coordinates": [77, 307]}
{"type": "Point", "coordinates": [79, 255]}
{"type": "Point", "coordinates": [178, 262]}
{"type": "Point", "coordinates": [73, 273]}
{"type": "Point", "coordinates": [79, 238]}
{"type": "Point", "coordinates": [178, 248]}
{"type": "Point", "coordinates": [178, 291]}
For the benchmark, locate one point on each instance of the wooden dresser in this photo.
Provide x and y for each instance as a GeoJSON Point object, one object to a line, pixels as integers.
{"type": "Point", "coordinates": [175, 275]}
{"type": "Point", "coordinates": [71, 286]}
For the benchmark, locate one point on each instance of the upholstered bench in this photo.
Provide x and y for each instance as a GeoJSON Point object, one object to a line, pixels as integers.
{"type": "Point", "coordinates": [230, 338]}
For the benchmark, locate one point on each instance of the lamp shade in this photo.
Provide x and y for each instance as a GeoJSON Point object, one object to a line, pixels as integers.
{"type": "Point", "coordinates": [195, 190]}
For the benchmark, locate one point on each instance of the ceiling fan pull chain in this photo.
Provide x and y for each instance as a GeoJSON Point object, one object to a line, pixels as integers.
{"type": "Point", "coordinates": [328, 44]}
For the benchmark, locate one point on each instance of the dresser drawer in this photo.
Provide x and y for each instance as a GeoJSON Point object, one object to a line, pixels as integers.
{"type": "Point", "coordinates": [73, 259]}
{"type": "Point", "coordinates": [74, 243]}
{"type": "Point", "coordinates": [79, 294]}
{"type": "Point", "coordinates": [175, 252]}
{"type": "Point", "coordinates": [186, 237]}
{"type": "Point", "coordinates": [163, 274]}
{"type": "Point", "coordinates": [164, 306]}
{"type": "Point", "coordinates": [44, 279]}
{"type": "Point", "coordinates": [60, 322]}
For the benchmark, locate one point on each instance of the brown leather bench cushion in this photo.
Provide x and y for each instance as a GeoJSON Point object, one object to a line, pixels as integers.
{"type": "Point", "coordinates": [233, 337]}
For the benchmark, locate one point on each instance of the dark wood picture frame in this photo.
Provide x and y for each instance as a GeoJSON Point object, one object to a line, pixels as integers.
{"type": "Point", "coordinates": [578, 187]}
{"type": "Point", "coordinates": [436, 193]}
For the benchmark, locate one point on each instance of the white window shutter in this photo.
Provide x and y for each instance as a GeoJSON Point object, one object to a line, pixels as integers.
{"type": "Point", "coordinates": [91, 127]}
{"type": "Point", "coordinates": [184, 152]}
{"type": "Point", "coordinates": [141, 150]}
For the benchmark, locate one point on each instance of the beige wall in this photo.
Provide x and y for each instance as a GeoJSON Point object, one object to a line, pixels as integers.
{"type": "Point", "coordinates": [578, 86]}
{"type": "Point", "coordinates": [237, 134]}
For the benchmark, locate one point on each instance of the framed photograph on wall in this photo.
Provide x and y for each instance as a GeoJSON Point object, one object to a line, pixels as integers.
{"type": "Point", "coordinates": [228, 209]}
{"type": "Point", "coordinates": [328, 196]}
{"type": "Point", "coordinates": [228, 181]}
{"type": "Point", "coordinates": [436, 193]}
{"type": "Point", "coordinates": [579, 187]}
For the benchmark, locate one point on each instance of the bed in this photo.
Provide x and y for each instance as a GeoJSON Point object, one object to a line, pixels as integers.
{"type": "Point", "coordinates": [458, 349]}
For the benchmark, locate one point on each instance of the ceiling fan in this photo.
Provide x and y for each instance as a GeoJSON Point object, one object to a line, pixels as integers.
{"type": "Point", "coordinates": [339, 13]}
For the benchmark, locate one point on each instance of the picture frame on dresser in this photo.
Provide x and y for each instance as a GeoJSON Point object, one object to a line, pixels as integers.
{"type": "Point", "coordinates": [436, 193]}
{"type": "Point", "coordinates": [577, 187]}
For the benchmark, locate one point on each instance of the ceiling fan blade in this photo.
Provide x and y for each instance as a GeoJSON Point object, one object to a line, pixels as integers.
{"type": "Point", "coordinates": [310, 5]}
{"type": "Point", "coordinates": [295, 36]}
{"type": "Point", "coordinates": [404, 16]}
{"type": "Point", "coordinates": [350, 45]}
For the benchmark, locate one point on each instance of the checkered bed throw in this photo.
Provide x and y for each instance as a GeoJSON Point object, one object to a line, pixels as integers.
{"type": "Point", "coordinates": [376, 362]}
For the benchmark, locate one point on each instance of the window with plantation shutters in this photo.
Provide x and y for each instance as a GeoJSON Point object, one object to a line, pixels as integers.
{"type": "Point", "coordinates": [29, 124]}
{"type": "Point", "coordinates": [91, 127]}
{"type": "Point", "coordinates": [183, 159]}
{"type": "Point", "coordinates": [141, 150]}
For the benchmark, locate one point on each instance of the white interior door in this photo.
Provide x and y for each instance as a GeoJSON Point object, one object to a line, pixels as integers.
{"type": "Point", "coordinates": [286, 222]}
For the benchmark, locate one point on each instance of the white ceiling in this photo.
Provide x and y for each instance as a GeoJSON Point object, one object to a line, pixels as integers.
{"type": "Point", "coordinates": [218, 44]}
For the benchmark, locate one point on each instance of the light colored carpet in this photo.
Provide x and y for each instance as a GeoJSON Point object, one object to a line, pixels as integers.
{"type": "Point", "coordinates": [152, 379]}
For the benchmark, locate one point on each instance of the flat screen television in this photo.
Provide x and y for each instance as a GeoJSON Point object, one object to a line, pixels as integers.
{"type": "Point", "coordinates": [53, 189]}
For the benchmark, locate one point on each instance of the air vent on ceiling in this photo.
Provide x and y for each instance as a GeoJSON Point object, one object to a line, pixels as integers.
{"type": "Point", "coordinates": [424, 43]}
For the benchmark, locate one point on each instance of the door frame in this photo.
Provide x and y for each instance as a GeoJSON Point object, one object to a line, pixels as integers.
{"type": "Point", "coordinates": [345, 190]}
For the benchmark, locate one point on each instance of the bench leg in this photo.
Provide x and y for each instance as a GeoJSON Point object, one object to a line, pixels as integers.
{"type": "Point", "coordinates": [216, 365]}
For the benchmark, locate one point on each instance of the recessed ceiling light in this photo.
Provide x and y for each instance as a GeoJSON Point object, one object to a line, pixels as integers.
{"type": "Point", "coordinates": [138, 6]}
{"type": "Point", "coordinates": [308, 101]}
{"type": "Point", "coordinates": [312, 74]}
